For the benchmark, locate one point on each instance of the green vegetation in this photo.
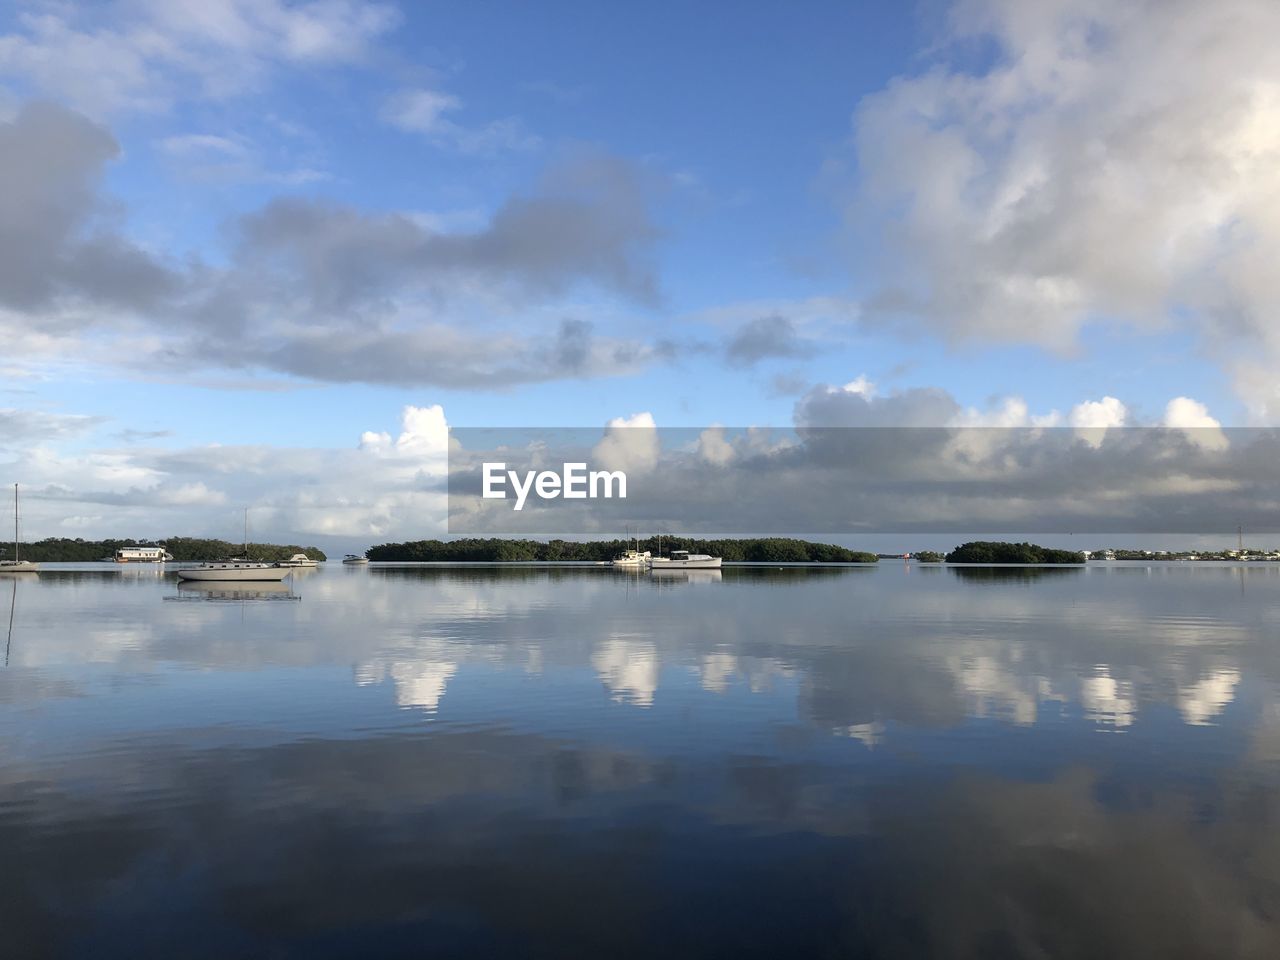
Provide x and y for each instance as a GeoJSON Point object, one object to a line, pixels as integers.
{"type": "Point", "coordinates": [927, 556]}
{"type": "Point", "coordinates": [765, 550]}
{"type": "Point", "coordinates": [989, 551]}
{"type": "Point", "coordinates": [62, 550]}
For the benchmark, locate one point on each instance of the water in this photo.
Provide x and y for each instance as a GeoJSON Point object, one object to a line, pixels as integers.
{"type": "Point", "coordinates": [878, 762]}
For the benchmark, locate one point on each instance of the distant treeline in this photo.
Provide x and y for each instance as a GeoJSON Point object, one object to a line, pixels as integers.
{"type": "Point", "coordinates": [990, 551]}
{"type": "Point", "coordinates": [765, 550]}
{"type": "Point", "coordinates": [63, 550]}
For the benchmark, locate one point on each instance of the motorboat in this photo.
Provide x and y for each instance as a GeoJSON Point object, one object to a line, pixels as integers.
{"type": "Point", "coordinates": [234, 569]}
{"type": "Point", "coordinates": [631, 560]}
{"type": "Point", "coordinates": [17, 564]}
{"type": "Point", "coordinates": [353, 560]}
{"type": "Point", "coordinates": [299, 560]}
{"type": "Point", "coordinates": [684, 560]}
{"type": "Point", "coordinates": [142, 555]}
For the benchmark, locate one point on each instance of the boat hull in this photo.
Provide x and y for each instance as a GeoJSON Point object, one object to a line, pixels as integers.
{"type": "Point", "coordinates": [710, 563]}
{"type": "Point", "coordinates": [231, 573]}
{"type": "Point", "coordinates": [19, 566]}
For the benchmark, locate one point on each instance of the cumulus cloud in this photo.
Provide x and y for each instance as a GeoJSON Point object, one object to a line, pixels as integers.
{"type": "Point", "coordinates": [1109, 162]}
{"type": "Point", "coordinates": [314, 289]}
{"type": "Point", "coordinates": [586, 221]}
{"type": "Point", "coordinates": [54, 249]}
{"type": "Point", "coordinates": [910, 461]}
{"type": "Point", "coordinates": [629, 444]}
{"type": "Point", "coordinates": [379, 485]}
{"type": "Point", "coordinates": [1193, 417]}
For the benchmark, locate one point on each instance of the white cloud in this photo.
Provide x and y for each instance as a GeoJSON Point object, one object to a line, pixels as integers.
{"type": "Point", "coordinates": [1193, 417]}
{"type": "Point", "coordinates": [145, 55]}
{"type": "Point", "coordinates": [860, 386]}
{"type": "Point", "coordinates": [380, 487]}
{"type": "Point", "coordinates": [714, 448]}
{"type": "Point", "coordinates": [1093, 418]}
{"type": "Point", "coordinates": [418, 111]}
{"type": "Point", "coordinates": [423, 111]}
{"type": "Point", "coordinates": [629, 444]}
{"type": "Point", "coordinates": [1115, 162]}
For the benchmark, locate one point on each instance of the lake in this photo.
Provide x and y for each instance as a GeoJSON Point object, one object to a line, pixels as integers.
{"type": "Point", "coordinates": [887, 761]}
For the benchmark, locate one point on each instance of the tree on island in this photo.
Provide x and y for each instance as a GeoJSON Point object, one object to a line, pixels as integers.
{"type": "Point", "coordinates": [494, 550]}
{"type": "Point", "coordinates": [927, 556]}
{"type": "Point", "coordinates": [994, 551]}
{"type": "Point", "coordinates": [66, 550]}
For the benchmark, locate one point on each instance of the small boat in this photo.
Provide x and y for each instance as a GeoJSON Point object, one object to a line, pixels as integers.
{"type": "Point", "coordinates": [684, 560]}
{"type": "Point", "coordinates": [352, 559]}
{"type": "Point", "coordinates": [17, 564]}
{"type": "Point", "coordinates": [235, 569]}
{"type": "Point", "coordinates": [631, 560]}
{"type": "Point", "coordinates": [142, 555]}
{"type": "Point", "coordinates": [299, 560]}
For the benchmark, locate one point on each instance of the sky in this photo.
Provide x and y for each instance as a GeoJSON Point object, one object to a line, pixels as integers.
{"type": "Point", "coordinates": [260, 255]}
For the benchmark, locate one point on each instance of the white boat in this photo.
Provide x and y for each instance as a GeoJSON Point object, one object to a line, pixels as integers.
{"type": "Point", "coordinates": [236, 569]}
{"type": "Point", "coordinates": [684, 560]}
{"type": "Point", "coordinates": [299, 560]}
{"type": "Point", "coordinates": [17, 564]}
{"type": "Point", "coordinates": [142, 555]}
{"type": "Point", "coordinates": [353, 559]}
{"type": "Point", "coordinates": [631, 560]}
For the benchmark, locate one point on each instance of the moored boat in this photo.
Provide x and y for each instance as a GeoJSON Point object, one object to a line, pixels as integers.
{"type": "Point", "coordinates": [299, 560]}
{"type": "Point", "coordinates": [142, 555]}
{"type": "Point", "coordinates": [17, 564]}
{"type": "Point", "coordinates": [631, 559]}
{"type": "Point", "coordinates": [352, 559]}
{"type": "Point", "coordinates": [235, 569]}
{"type": "Point", "coordinates": [684, 560]}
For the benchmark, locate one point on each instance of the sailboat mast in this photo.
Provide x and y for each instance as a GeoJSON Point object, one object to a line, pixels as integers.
{"type": "Point", "coordinates": [246, 533]}
{"type": "Point", "coordinates": [15, 523]}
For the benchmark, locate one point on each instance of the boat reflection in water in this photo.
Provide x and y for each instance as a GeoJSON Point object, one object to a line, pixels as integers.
{"type": "Point", "coordinates": [665, 575]}
{"type": "Point", "coordinates": [234, 591]}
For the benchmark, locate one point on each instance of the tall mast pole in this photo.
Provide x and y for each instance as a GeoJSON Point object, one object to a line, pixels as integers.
{"type": "Point", "coordinates": [15, 523]}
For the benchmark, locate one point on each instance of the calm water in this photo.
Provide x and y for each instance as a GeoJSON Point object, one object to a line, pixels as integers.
{"type": "Point", "coordinates": [878, 762]}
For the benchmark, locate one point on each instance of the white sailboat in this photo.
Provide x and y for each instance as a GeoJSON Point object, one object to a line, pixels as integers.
{"type": "Point", "coordinates": [236, 568]}
{"type": "Point", "coordinates": [631, 559]}
{"type": "Point", "coordinates": [17, 564]}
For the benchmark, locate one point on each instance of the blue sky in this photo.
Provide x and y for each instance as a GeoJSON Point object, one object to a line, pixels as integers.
{"type": "Point", "coordinates": [272, 232]}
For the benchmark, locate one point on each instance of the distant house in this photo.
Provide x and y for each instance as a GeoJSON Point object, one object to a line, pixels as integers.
{"type": "Point", "coordinates": [142, 555]}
